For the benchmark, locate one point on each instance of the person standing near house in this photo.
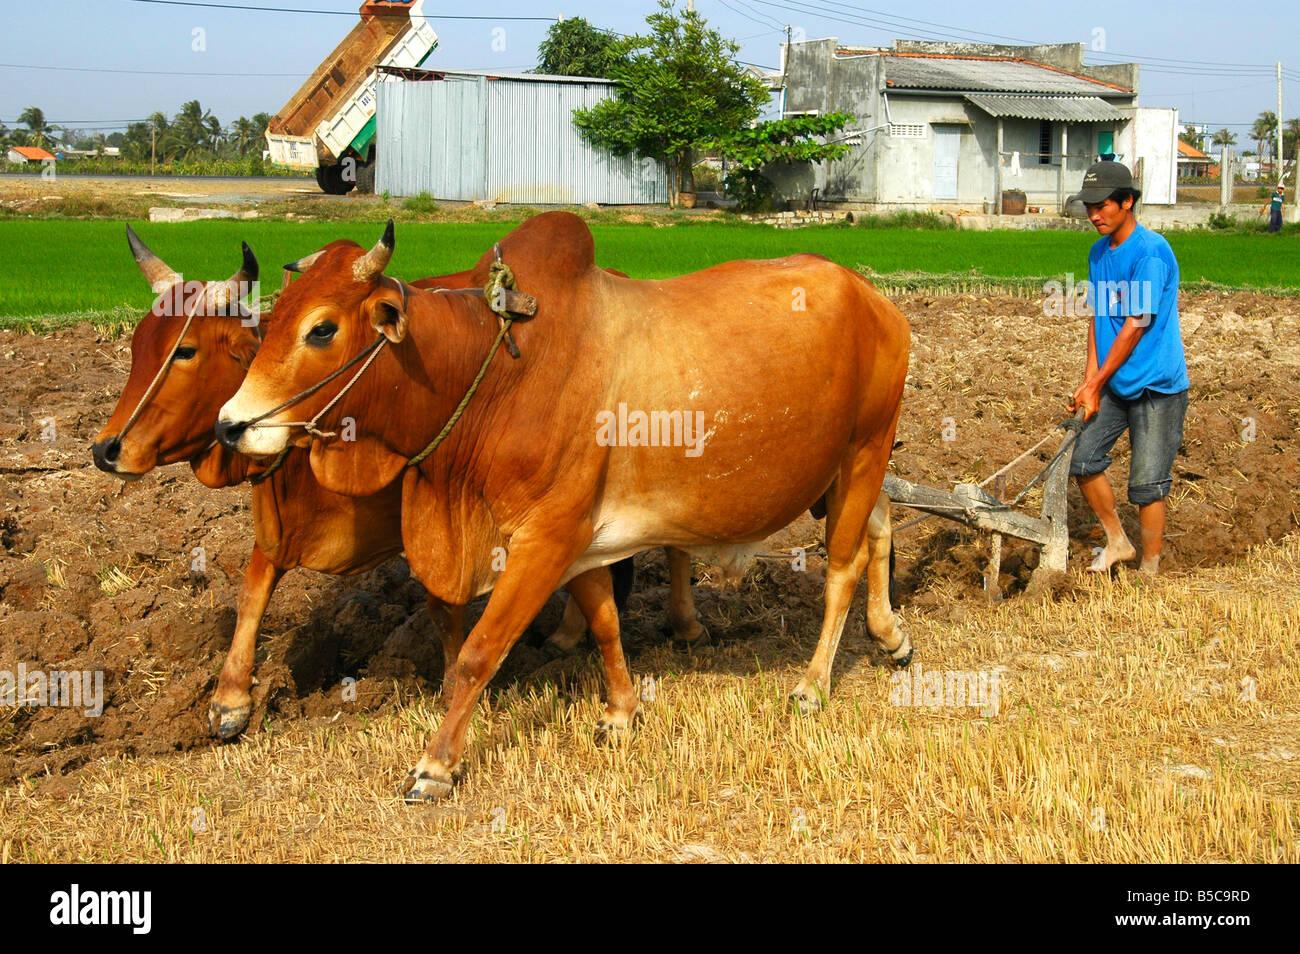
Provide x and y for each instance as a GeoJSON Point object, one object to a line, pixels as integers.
{"type": "Point", "coordinates": [1136, 374]}
{"type": "Point", "coordinates": [1274, 206]}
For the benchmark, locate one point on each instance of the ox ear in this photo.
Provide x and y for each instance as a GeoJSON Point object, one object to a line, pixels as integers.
{"type": "Point", "coordinates": [243, 346]}
{"type": "Point", "coordinates": [385, 309]}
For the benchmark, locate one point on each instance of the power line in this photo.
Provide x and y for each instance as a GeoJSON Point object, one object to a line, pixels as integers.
{"type": "Point", "coordinates": [761, 19]}
{"type": "Point", "coordinates": [327, 13]}
{"type": "Point", "coordinates": [82, 122]}
{"type": "Point", "coordinates": [104, 69]}
{"type": "Point", "coordinates": [1180, 66]}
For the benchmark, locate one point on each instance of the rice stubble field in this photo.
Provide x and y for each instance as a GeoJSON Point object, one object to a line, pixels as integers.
{"type": "Point", "coordinates": [1135, 720]}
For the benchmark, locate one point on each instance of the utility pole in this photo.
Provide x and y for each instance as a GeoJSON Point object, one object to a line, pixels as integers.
{"type": "Point", "coordinates": [153, 147]}
{"type": "Point", "coordinates": [1279, 123]}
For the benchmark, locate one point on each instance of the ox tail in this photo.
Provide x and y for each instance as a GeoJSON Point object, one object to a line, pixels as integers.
{"type": "Point", "coordinates": [624, 573]}
{"type": "Point", "coordinates": [893, 583]}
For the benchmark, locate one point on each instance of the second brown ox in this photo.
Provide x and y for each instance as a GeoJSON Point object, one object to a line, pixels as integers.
{"type": "Point", "coordinates": [792, 370]}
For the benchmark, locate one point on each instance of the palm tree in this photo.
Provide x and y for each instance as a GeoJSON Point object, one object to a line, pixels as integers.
{"type": "Point", "coordinates": [1264, 132]}
{"type": "Point", "coordinates": [1224, 138]}
{"type": "Point", "coordinates": [34, 119]}
{"type": "Point", "coordinates": [193, 128]}
{"type": "Point", "coordinates": [243, 133]}
{"type": "Point", "coordinates": [1290, 137]}
{"type": "Point", "coordinates": [214, 132]}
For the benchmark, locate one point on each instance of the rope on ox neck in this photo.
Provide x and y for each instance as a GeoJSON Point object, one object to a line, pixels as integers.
{"type": "Point", "coordinates": [275, 465]}
{"type": "Point", "coordinates": [500, 278]}
{"type": "Point", "coordinates": [162, 371]}
{"type": "Point", "coordinates": [369, 354]}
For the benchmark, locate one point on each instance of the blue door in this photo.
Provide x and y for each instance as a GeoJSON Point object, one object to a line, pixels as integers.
{"type": "Point", "coordinates": [947, 143]}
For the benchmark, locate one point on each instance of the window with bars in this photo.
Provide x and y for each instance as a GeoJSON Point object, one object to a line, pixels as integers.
{"type": "Point", "coordinates": [907, 130]}
{"type": "Point", "coordinates": [1044, 143]}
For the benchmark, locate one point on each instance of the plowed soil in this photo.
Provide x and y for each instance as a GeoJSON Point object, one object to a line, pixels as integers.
{"type": "Point", "coordinates": [94, 578]}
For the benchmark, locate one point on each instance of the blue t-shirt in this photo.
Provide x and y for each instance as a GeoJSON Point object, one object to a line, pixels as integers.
{"type": "Point", "coordinates": [1140, 277]}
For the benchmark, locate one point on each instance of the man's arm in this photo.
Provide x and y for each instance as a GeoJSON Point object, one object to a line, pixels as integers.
{"type": "Point", "coordinates": [1088, 394]}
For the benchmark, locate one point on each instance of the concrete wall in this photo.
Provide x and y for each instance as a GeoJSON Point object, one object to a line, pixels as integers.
{"type": "Point", "coordinates": [896, 171]}
{"type": "Point", "coordinates": [1152, 136]}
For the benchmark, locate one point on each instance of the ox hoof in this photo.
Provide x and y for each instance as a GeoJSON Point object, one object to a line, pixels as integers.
{"type": "Point", "coordinates": [225, 722]}
{"type": "Point", "coordinates": [418, 789]}
{"type": "Point", "coordinates": [610, 729]}
{"type": "Point", "coordinates": [807, 700]}
{"type": "Point", "coordinates": [901, 656]}
{"type": "Point", "coordinates": [692, 636]}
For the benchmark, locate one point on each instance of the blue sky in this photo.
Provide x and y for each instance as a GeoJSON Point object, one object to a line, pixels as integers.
{"type": "Point", "coordinates": [1216, 69]}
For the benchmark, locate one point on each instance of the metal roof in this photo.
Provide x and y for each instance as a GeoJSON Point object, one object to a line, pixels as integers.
{"type": "Point", "coordinates": [425, 73]}
{"type": "Point", "coordinates": [988, 75]}
{"type": "Point", "coordinates": [1061, 109]}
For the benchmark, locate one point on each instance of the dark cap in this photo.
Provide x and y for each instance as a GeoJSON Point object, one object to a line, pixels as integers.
{"type": "Point", "coordinates": [1102, 179]}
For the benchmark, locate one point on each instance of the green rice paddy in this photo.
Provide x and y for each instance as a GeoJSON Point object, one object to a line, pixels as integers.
{"type": "Point", "coordinates": [58, 272]}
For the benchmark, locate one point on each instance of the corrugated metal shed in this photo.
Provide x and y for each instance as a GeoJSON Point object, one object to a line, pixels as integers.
{"type": "Point", "coordinates": [988, 75]}
{"type": "Point", "coordinates": [1064, 109]}
{"type": "Point", "coordinates": [472, 136]}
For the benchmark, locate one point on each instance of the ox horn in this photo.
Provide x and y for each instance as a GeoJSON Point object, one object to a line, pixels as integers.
{"type": "Point", "coordinates": [218, 295]}
{"type": "Point", "coordinates": [159, 275]}
{"type": "Point", "coordinates": [304, 263]}
{"type": "Point", "coordinates": [371, 265]}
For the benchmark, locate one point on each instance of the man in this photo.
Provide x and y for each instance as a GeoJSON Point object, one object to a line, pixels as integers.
{"type": "Point", "coordinates": [1136, 377]}
{"type": "Point", "coordinates": [1274, 207]}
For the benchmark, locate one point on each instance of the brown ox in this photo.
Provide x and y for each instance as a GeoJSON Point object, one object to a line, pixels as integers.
{"type": "Point", "coordinates": [297, 522]}
{"type": "Point", "coordinates": [796, 365]}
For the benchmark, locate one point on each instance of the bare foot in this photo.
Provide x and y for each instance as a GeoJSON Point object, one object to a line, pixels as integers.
{"type": "Point", "coordinates": [1116, 551]}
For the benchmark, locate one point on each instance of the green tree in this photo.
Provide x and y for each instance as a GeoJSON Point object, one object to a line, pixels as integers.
{"type": "Point", "coordinates": [1194, 138]}
{"type": "Point", "coordinates": [797, 139]}
{"type": "Point", "coordinates": [1264, 131]}
{"type": "Point", "coordinates": [574, 47]}
{"type": "Point", "coordinates": [679, 88]}
{"type": "Point", "coordinates": [243, 135]}
{"type": "Point", "coordinates": [38, 130]}
{"type": "Point", "coordinates": [1290, 137]}
{"type": "Point", "coordinates": [1224, 138]}
{"type": "Point", "coordinates": [194, 130]}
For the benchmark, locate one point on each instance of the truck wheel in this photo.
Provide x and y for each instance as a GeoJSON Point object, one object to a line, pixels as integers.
{"type": "Point", "coordinates": [366, 178]}
{"type": "Point", "coordinates": [331, 181]}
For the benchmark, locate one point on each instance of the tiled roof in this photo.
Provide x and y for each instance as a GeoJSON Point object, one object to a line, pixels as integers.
{"type": "Point", "coordinates": [31, 152]}
{"type": "Point", "coordinates": [1190, 152]}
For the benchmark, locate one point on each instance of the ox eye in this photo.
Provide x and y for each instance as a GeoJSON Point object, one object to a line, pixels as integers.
{"type": "Point", "coordinates": [184, 354]}
{"type": "Point", "coordinates": [322, 334]}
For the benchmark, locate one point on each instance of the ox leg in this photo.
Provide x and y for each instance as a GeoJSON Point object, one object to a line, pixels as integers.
{"type": "Point", "coordinates": [882, 622]}
{"type": "Point", "coordinates": [849, 550]}
{"type": "Point", "coordinates": [535, 569]}
{"type": "Point", "coordinates": [231, 704]}
{"type": "Point", "coordinates": [594, 591]}
{"type": "Point", "coordinates": [449, 620]}
{"type": "Point", "coordinates": [571, 630]}
{"type": "Point", "coordinates": [682, 617]}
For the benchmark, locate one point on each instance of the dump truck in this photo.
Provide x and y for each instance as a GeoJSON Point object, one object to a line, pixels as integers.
{"type": "Point", "coordinates": [329, 124]}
